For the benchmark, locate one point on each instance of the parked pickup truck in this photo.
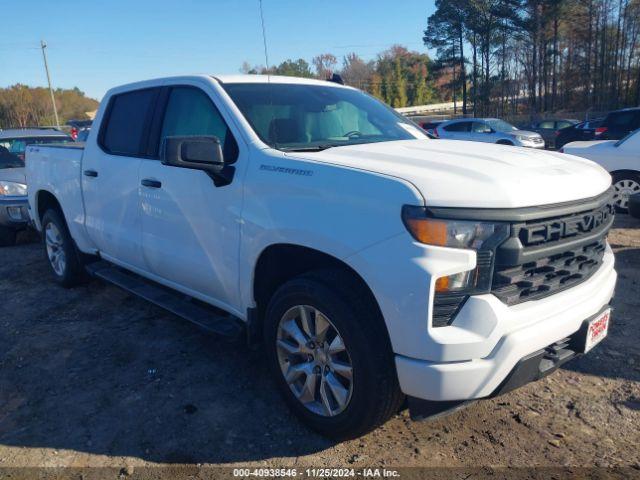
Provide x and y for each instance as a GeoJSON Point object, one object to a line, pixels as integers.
{"type": "Point", "coordinates": [372, 264]}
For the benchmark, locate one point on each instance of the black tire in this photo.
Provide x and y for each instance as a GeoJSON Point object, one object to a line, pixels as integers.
{"type": "Point", "coordinates": [376, 395]}
{"type": "Point", "coordinates": [622, 177]}
{"type": "Point", "coordinates": [7, 237]}
{"type": "Point", "coordinates": [504, 142]}
{"type": "Point", "coordinates": [73, 272]}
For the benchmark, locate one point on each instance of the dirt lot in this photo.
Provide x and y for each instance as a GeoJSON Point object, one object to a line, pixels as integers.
{"type": "Point", "coordinates": [95, 377]}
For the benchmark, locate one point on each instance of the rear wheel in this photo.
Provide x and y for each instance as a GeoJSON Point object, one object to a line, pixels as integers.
{"type": "Point", "coordinates": [7, 237]}
{"type": "Point", "coordinates": [330, 355]}
{"type": "Point", "coordinates": [64, 259]}
{"type": "Point", "coordinates": [625, 184]}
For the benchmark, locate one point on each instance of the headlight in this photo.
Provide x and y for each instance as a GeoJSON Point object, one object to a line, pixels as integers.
{"type": "Point", "coordinates": [483, 237]}
{"type": "Point", "coordinates": [12, 189]}
{"type": "Point", "coordinates": [522, 138]}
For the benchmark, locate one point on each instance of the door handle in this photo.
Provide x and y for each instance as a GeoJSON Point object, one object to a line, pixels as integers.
{"type": "Point", "coordinates": [90, 173]}
{"type": "Point", "coordinates": [147, 182]}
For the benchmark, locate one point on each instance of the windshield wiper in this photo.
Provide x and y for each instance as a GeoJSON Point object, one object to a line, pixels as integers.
{"type": "Point", "coordinates": [314, 148]}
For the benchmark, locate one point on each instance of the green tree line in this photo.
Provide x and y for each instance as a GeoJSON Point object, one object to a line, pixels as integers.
{"type": "Point", "coordinates": [23, 106]}
{"type": "Point", "coordinates": [398, 76]}
{"type": "Point", "coordinates": [506, 56]}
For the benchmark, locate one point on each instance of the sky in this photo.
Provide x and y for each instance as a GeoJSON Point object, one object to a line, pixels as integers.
{"type": "Point", "coordinates": [95, 45]}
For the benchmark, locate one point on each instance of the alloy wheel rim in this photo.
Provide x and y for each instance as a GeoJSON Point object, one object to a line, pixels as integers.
{"type": "Point", "coordinates": [55, 250]}
{"type": "Point", "coordinates": [624, 189]}
{"type": "Point", "coordinates": [314, 360]}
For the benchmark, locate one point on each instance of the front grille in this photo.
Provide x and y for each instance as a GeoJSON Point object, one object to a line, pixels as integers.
{"type": "Point", "coordinates": [547, 275]}
{"type": "Point", "coordinates": [548, 249]}
{"type": "Point", "coordinates": [546, 256]}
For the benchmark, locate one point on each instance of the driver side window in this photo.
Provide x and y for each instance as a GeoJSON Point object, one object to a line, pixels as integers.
{"type": "Point", "coordinates": [191, 112]}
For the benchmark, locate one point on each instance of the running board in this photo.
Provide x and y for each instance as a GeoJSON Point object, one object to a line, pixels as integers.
{"type": "Point", "coordinates": [181, 305]}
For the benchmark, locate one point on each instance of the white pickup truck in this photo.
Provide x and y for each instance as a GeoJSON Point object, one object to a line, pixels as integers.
{"type": "Point", "coordinates": [373, 264]}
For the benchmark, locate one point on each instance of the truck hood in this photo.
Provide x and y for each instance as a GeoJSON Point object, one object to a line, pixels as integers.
{"type": "Point", "coordinates": [13, 175]}
{"type": "Point", "coordinates": [477, 175]}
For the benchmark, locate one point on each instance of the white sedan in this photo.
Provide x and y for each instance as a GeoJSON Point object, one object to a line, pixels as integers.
{"type": "Point", "coordinates": [621, 158]}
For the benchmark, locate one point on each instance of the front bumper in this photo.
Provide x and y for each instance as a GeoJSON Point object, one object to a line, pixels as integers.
{"type": "Point", "coordinates": [531, 144]}
{"type": "Point", "coordinates": [475, 369]}
{"type": "Point", "coordinates": [14, 212]}
{"type": "Point", "coordinates": [529, 369]}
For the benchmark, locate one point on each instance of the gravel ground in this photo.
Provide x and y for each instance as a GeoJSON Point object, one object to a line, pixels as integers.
{"type": "Point", "coordinates": [95, 377]}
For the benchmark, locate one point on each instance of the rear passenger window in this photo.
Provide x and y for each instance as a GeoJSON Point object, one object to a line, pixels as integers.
{"type": "Point", "coordinates": [125, 131]}
{"type": "Point", "coordinates": [191, 112]}
{"type": "Point", "coordinates": [458, 127]}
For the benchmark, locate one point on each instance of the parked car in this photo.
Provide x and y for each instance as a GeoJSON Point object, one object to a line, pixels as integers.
{"type": "Point", "coordinates": [78, 126]}
{"type": "Point", "coordinates": [82, 135]}
{"type": "Point", "coordinates": [621, 158]}
{"type": "Point", "coordinates": [373, 262]}
{"type": "Point", "coordinates": [619, 124]}
{"type": "Point", "coordinates": [488, 130]}
{"type": "Point", "coordinates": [634, 205]}
{"type": "Point", "coordinates": [429, 126]}
{"type": "Point", "coordinates": [13, 190]}
{"type": "Point", "coordinates": [16, 139]}
{"type": "Point", "coordinates": [548, 129]}
{"type": "Point", "coordinates": [583, 131]}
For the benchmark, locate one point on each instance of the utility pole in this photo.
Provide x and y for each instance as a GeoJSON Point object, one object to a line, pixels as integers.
{"type": "Point", "coordinates": [43, 45]}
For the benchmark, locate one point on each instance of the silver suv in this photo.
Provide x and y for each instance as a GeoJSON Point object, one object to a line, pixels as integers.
{"type": "Point", "coordinates": [488, 130]}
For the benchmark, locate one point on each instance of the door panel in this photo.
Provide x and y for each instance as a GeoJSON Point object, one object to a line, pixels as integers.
{"type": "Point", "coordinates": [190, 227]}
{"type": "Point", "coordinates": [110, 182]}
{"type": "Point", "coordinates": [112, 206]}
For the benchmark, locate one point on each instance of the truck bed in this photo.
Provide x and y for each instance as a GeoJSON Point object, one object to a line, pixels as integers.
{"type": "Point", "coordinates": [57, 169]}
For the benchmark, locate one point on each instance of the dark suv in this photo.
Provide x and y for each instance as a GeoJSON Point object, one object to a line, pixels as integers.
{"type": "Point", "coordinates": [619, 124]}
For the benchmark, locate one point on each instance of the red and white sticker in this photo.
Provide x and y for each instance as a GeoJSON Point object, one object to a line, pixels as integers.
{"type": "Point", "coordinates": [598, 329]}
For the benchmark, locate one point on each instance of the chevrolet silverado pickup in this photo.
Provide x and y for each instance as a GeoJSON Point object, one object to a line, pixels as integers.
{"type": "Point", "coordinates": [377, 268]}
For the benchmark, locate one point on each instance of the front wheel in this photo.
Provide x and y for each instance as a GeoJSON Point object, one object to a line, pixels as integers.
{"type": "Point", "coordinates": [624, 185]}
{"type": "Point", "coordinates": [330, 355]}
{"type": "Point", "coordinates": [61, 251]}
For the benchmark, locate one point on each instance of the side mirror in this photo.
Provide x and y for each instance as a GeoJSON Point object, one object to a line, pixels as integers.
{"type": "Point", "coordinates": [198, 153]}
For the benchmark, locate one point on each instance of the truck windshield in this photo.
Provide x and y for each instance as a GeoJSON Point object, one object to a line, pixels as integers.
{"type": "Point", "coordinates": [295, 117]}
